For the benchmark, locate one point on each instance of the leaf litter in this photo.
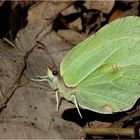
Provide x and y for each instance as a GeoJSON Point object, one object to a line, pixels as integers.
{"type": "Point", "coordinates": [30, 109]}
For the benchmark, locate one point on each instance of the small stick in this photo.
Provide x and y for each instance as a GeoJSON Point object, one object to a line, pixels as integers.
{"type": "Point", "coordinates": [110, 131]}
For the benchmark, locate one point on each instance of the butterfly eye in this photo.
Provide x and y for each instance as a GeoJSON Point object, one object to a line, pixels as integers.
{"type": "Point", "coordinates": [55, 73]}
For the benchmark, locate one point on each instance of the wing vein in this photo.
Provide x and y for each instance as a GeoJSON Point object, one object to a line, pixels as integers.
{"type": "Point", "coordinates": [106, 98]}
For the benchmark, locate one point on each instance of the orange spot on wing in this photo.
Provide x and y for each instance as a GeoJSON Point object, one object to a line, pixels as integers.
{"type": "Point", "coordinates": [108, 108]}
{"type": "Point", "coordinates": [116, 67]}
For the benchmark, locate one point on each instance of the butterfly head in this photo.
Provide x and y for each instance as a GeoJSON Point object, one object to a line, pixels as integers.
{"type": "Point", "coordinates": [52, 72]}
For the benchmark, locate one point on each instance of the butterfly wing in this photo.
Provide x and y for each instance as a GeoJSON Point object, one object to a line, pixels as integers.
{"type": "Point", "coordinates": [116, 94]}
{"type": "Point", "coordinates": [94, 52]}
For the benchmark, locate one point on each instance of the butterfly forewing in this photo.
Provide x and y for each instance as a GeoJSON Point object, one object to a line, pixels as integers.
{"type": "Point", "coordinates": [97, 50]}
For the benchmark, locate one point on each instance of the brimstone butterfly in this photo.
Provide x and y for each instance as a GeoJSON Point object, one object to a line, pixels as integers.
{"type": "Point", "coordinates": [102, 73]}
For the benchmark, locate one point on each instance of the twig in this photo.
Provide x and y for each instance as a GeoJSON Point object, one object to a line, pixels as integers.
{"type": "Point", "coordinates": [110, 131]}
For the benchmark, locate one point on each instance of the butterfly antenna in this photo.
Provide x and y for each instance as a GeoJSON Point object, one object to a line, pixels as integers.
{"type": "Point", "coordinates": [46, 51]}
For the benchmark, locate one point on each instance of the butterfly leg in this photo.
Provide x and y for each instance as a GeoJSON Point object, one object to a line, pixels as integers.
{"type": "Point", "coordinates": [57, 100]}
{"type": "Point", "coordinates": [41, 78]}
{"type": "Point", "coordinates": [76, 104]}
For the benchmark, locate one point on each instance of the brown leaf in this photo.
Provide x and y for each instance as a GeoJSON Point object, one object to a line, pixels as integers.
{"type": "Point", "coordinates": [104, 6]}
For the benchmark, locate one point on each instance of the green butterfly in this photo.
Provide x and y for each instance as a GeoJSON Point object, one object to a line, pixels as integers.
{"type": "Point", "coordinates": [102, 73]}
